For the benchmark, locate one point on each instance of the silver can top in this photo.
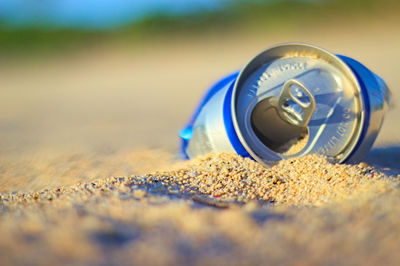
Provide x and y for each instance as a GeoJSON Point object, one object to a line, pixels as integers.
{"type": "Point", "coordinates": [295, 99]}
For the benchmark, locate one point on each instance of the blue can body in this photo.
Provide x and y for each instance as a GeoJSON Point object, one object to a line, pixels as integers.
{"type": "Point", "coordinates": [373, 90]}
{"type": "Point", "coordinates": [187, 132]}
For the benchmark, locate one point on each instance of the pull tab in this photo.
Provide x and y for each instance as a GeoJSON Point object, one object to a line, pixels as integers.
{"type": "Point", "coordinates": [287, 112]}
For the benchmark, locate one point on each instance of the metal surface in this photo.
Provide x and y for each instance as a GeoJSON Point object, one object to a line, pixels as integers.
{"type": "Point", "coordinates": [337, 121]}
{"type": "Point", "coordinates": [208, 134]}
{"type": "Point", "coordinates": [377, 96]}
{"type": "Point", "coordinates": [291, 94]}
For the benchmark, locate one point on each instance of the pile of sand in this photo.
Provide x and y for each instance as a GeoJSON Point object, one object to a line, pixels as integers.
{"type": "Point", "coordinates": [217, 209]}
{"type": "Point", "coordinates": [310, 180]}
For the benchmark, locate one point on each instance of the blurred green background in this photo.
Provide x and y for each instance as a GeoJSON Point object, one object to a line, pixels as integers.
{"type": "Point", "coordinates": [28, 26]}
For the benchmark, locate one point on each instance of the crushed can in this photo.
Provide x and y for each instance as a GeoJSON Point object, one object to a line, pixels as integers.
{"type": "Point", "coordinates": [290, 100]}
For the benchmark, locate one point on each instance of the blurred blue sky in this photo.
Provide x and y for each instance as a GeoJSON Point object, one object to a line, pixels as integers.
{"type": "Point", "coordinates": [93, 13]}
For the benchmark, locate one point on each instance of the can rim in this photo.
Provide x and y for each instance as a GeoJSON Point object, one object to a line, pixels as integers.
{"type": "Point", "coordinates": [261, 59]}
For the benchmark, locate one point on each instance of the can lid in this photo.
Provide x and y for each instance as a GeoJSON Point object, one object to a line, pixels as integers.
{"type": "Point", "coordinates": [294, 99]}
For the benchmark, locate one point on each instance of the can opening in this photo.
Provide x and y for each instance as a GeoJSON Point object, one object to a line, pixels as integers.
{"type": "Point", "coordinates": [276, 132]}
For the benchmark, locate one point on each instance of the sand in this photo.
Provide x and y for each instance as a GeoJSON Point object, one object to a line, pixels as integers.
{"type": "Point", "coordinates": [90, 174]}
{"type": "Point", "coordinates": [217, 209]}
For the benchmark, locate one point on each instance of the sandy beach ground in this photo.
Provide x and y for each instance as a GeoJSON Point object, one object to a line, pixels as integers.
{"type": "Point", "coordinates": [80, 132]}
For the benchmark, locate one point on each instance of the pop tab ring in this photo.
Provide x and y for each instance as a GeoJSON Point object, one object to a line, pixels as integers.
{"type": "Point", "coordinates": [287, 113]}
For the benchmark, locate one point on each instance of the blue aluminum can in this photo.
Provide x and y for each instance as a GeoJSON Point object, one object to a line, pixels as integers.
{"type": "Point", "coordinates": [290, 100]}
